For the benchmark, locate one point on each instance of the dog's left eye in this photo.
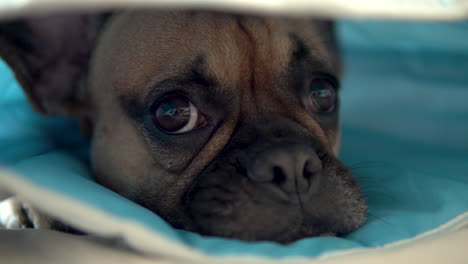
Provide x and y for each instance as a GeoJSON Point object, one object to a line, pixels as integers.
{"type": "Point", "coordinates": [322, 96]}
{"type": "Point", "coordinates": [177, 115]}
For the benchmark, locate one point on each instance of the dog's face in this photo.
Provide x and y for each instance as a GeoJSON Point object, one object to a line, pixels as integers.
{"type": "Point", "coordinates": [222, 124]}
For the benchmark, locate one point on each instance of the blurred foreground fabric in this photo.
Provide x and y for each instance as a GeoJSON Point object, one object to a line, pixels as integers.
{"type": "Point", "coordinates": [405, 135]}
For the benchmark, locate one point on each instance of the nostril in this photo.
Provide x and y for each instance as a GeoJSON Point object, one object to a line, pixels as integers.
{"type": "Point", "coordinates": [307, 173]}
{"type": "Point", "coordinates": [279, 134]}
{"type": "Point", "coordinates": [279, 177]}
{"type": "Point", "coordinates": [311, 174]}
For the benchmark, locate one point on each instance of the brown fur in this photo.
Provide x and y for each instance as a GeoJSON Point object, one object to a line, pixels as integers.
{"type": "Point", "coordinates": [250, 61]}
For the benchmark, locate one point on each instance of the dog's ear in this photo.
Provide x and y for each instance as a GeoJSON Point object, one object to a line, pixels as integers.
{"type": "Point", "coordinates": [49, 57]}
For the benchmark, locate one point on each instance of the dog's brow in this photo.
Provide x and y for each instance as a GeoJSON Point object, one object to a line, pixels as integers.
{"type": "Point", "coordinates": [300, 51]}
{"type": "Point", "coordinates": [197, 74]}
{"type": "Point", "coordinates": [312, 58]}
{"type": "Point", "coordinates": [137, 105]}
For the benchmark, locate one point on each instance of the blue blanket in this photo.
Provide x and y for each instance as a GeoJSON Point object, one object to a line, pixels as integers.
{"type": "Point", "coordinates": [405, 136]}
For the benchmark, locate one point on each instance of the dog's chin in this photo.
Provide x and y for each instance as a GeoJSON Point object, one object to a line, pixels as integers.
{"type": "Point", "coordinates": [258, 215]}
{"type": "Point", "coordinates": [252, 218]}
{"type": "Point", "coordinates": [249, 223]}
{"type": "Point", "coordinates": [283, 224]}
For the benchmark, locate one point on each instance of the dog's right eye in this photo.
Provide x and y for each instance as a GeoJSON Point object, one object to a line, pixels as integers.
{"type": "Point", "coordinates": [176, 115]}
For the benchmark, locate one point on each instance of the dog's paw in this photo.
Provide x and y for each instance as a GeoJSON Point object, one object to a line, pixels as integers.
{"type": "Point", "coordinates": [15, 214]}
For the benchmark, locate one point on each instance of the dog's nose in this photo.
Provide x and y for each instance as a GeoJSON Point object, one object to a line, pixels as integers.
{"type": "Point", "coordinates": [292, 168]}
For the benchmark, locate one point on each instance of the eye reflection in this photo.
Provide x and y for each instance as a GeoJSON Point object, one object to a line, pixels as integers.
{"type": "Point", "coordinates": [177, 115]}
{"type": "Point", "coordinates": [322, 97]}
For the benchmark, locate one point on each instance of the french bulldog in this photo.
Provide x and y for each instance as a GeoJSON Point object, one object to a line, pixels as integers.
{"type": "Point", "coordinates": [222, 124]}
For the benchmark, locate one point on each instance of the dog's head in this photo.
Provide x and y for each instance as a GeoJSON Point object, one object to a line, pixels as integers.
{"type": "Point", "coordinates": [222, 124]}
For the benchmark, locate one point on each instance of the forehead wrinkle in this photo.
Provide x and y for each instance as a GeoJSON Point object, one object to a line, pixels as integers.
{"type": "Point", "coordinates": [270, 43]}
{"type": "Point", "coordinates": [267, 51]}
{"type": "Point", "coordinates": [281, 45]}
{"type": "Point", "coordinates": [226, 52]}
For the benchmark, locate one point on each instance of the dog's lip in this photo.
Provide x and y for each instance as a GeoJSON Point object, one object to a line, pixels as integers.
{"type": "Point", "coordinates": [285, 234]}
{"type": "Point", "coordinates": [282, 234]}
{"type": "Point", "coordinates": [288, 234]}
{"type": "Point", "coordinates": [306, 225]}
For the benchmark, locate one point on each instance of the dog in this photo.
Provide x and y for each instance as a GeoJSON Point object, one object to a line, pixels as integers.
{"type": "Point", "coordinates": [222, 124]}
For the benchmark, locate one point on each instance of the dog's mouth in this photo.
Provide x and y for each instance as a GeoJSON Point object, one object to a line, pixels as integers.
{"type": "Point", "coordinates": [250, 217]}
{"type": "Point", "coordinates": [234, 206]}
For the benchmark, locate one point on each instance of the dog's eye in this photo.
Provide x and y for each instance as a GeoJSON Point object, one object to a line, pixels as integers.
{"type": "Point", "coordinates": [322, 96]}
{"type": "Point", "coordinates": [177, 115]}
